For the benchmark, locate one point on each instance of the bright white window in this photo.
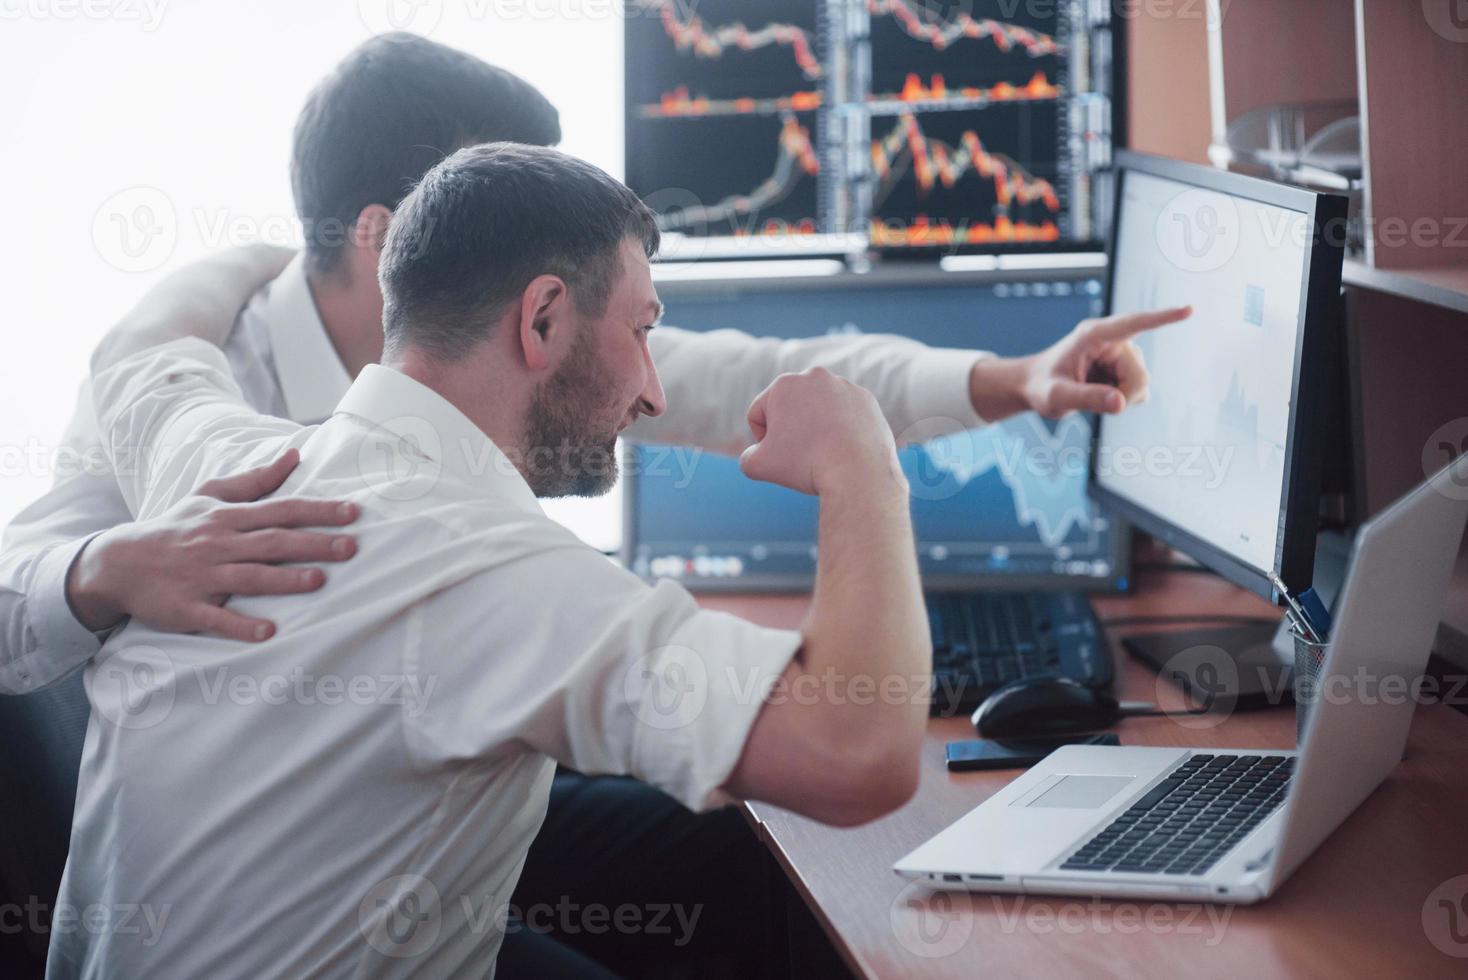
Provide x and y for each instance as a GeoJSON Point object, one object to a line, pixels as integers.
{"type": "Point", "coordinates": [136, 135]}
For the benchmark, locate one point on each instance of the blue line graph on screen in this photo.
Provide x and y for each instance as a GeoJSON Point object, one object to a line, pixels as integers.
{"type": "Point", "coordinates": [1043, 469]}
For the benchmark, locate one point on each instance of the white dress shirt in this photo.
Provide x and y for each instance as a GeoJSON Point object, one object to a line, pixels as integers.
{"type": "Point", "coordinates": [356, 795]}
{"type": "Point", "coordinates": [285, 364]}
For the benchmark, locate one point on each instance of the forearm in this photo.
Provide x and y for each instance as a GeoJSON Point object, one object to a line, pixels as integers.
{"type": "Point", "coordinates": [52, 620]}
{"type": "Point", "coordinates": [200, 300]}
{"type": "Point", "coordinates": [710, 379]}
{"type": "Point", "coordinates": [868, 624]}
{"type": "Point", "coordinates": [848, 753]}
{"type": "Point", "coordinates": [42, 639]}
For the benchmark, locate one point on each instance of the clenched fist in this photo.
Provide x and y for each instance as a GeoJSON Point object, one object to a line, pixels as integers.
{"type": "Point", "coordinates": [815, 432]}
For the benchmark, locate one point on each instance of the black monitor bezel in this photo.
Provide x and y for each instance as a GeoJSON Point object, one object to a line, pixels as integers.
{"type": "Point", "coordinates": [1294, 559]}
{"type": "Point", "coordinates": [892, 275]}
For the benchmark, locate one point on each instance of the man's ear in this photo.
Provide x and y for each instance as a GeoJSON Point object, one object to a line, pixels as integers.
{"type": "Point", "coordinates": [545, 322]}
{"type": "Point", "coordinates": [370, 230]}
{"type": "Point", "coordinates": [364, 241]}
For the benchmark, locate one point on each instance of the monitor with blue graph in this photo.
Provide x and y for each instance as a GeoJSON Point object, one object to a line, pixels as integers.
{"type": "Point", "coordinates": [1000, 507]}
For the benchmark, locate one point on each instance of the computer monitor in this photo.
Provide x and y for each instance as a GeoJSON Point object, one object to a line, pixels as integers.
{"type": "Point", "coordinates": [797, 125]}
{"type": "Point", "coordinates": [1002, 507]}
{"type": "Point", "coordinates": [1222, 461]}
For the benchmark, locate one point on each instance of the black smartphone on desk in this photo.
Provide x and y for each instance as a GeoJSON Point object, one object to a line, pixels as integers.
{"type": "Point", "coordinates": [1014, 753]}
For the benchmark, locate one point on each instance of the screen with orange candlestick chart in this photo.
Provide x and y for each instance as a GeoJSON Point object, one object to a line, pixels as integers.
{"type": "Point", "coordinates": [956, 125]}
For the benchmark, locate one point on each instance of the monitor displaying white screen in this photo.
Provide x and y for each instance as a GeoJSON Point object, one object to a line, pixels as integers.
{"type": "Point", "coordinates": [1207, 451]}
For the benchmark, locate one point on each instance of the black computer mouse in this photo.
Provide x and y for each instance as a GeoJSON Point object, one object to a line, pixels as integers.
{"type": "Point", "coordinates": [1044, 706]}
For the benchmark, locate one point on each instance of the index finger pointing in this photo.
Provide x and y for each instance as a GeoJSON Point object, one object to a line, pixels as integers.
{"type": "Point", "coordinates": [1124, 326]}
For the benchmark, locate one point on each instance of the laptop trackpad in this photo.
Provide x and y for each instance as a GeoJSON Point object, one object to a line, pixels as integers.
{"type": "Point", "coordinates": [1081, 792]}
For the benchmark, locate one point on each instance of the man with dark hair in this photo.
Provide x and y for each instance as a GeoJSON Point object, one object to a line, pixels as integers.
{"type": "Point", "coordinates": [430, 273]}
{"type": "Point", "coordinates": [394, 107]}
{"type": "Point", "coordinates": [397, 105]}
{"type": "Point", "coordinates": [383, 834]}
{"type": "Point", "coordinates": [77, 564]}
{"type": "Point", "coordinates": [437, 302]}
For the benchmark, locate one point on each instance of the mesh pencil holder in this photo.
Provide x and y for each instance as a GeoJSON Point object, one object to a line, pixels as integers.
{"type": "Point", "coordinates": [1309, 661]}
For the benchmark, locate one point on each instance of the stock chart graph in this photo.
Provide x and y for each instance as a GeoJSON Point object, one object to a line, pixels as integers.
{"type": "Point", "coordinates": [1004, 502]}
{"type": "Point", "coordinates": [927, 187]}
{"type": "Point", "coordinates": [909, 36]}
{"type": "Point", "coordinates": [913, 123]}
{"type": "Point", "coordinates": [722, 100]}
{"type": "Point", "coordinates": [925, 23]}
{"type": "Point", "coordinates": [1041, 467]}
{"type": "Point", "coordinates": [781, 203]}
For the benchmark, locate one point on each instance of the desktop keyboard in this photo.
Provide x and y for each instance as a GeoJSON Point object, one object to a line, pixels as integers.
{"type": "Point", "coordinates": [1191, 819]}
{"type": "Point", "coordinates": [984, 639]}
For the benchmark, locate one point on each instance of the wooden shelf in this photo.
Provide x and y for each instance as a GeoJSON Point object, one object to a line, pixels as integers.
{"type": "Point", "coordinates": [1411, 97]}
{"type": "Point", "coordinates": [1446, 287]}
{"type": "Point", "coordinates": [1405, 75]}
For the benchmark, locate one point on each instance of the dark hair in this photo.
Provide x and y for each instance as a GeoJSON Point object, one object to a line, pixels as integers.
{"type": "Point", "coordinates": [395, 106]}
{"type": "Point", "coordinates": [485, 222]}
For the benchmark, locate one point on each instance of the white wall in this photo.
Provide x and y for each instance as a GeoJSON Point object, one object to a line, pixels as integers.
{"type": "Point", "coordinates": [175, 116]}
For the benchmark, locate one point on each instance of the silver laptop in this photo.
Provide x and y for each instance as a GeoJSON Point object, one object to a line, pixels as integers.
{"type": "Point", "coordinates": [1140, 821]}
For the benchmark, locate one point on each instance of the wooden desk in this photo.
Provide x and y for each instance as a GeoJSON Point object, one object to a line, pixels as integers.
{"type": "Point", "coordinates": [1355, 908]}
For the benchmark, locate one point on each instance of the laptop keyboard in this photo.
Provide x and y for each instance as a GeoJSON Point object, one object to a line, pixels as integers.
{"type": "Point", "coordinates": [1191, 819]}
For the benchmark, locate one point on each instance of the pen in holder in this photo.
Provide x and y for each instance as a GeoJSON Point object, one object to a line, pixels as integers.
{"type": "Point", "coordinates": [1309, 658]}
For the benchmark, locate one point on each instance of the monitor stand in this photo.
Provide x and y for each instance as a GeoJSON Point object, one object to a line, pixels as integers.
{"type": "Point", "coordinates": [1240, 668]}
{"type": "Point", "coordinates": [1226, 668]}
